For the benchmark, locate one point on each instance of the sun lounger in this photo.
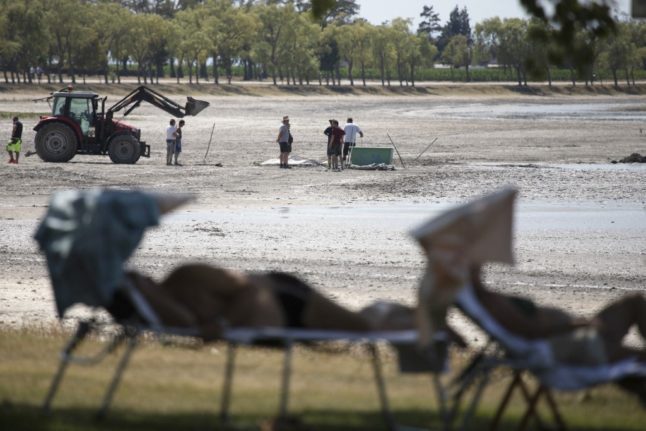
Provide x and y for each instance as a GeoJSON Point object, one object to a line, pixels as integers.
{"type": "Point", "coordinates": [535, 357]}
{"type": "Point", "coordinates": [87, 236]}
{"type": "Point", "coordinates": [142, 321]}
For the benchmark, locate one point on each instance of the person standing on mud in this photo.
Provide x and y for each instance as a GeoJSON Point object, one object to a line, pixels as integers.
{"type": "Point", "coordinates": [178, 141]}
{"type": "Point", "coordinates": [335, 144]}
{"type": "Point", "coordinates": [351, 130]}
{"type": "Point", "coordinates": [171, 137]}
{"type": "Point", "coordinates": [284, 140]}
{"type": "Point", "coordinates": [14, 146]}
{"type": "Point", "coordinates": [328, 132]}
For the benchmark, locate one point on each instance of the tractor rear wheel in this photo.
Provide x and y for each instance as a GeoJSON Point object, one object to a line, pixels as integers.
{"type": "Point", "coordinates": [56, 142]}
{"type": "Point", "coordinates": [124, 149]}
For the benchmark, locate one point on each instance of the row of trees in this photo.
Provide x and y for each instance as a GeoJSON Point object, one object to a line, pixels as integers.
{"type": "Point", "coordinates": [205, 39]}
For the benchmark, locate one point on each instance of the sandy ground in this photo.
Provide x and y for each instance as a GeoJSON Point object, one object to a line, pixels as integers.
{"type": "Point", "coordinates": [580, 236]}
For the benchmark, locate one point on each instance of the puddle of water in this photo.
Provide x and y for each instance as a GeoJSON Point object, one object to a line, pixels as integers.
{"type": "Point", "coordinates": [403, 216]}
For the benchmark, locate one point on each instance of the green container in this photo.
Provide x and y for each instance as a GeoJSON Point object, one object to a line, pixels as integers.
{"type": "Point", "coordinates": [362, 156]}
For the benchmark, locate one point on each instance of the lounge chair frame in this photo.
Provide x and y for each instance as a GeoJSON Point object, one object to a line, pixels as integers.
{"type": "Point", "coordinates": [131, 334]}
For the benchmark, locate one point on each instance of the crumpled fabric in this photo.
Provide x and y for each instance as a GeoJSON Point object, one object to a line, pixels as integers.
{"type": "Point", "coordinates": [478, 232]}
{"type": "Point", "coordinates": [87, 236]}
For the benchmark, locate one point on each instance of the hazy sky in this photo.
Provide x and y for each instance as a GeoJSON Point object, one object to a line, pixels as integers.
{"type": "Point", "coordinates": [378, 11]}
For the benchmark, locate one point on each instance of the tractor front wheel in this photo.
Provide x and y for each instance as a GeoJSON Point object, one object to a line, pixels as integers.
{"type": "Point", "coordinates": [56, 142]}
{"type": "Point", "coordinates": [124, 149]}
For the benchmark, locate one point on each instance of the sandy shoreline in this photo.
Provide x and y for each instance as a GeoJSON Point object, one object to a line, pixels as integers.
{"type": "Point", "coordinates": [580, 239]}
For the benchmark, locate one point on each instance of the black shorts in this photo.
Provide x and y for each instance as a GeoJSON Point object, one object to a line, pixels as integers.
{"type": "Point", "coordinates": [292, 294]}
{"type": "Point", "coordinates": [334, 150]}
{"type": "Point", "coordinates": [285, 147]}
{"type": "Point", "coordinates": [346, 147]}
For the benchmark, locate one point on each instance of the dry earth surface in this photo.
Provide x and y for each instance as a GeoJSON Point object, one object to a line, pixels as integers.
{"type": "Point", "coordinates": [580, 237]}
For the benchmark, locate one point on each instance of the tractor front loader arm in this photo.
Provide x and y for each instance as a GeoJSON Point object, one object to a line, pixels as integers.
{"type": "Point", "coordinates": [145, 94]}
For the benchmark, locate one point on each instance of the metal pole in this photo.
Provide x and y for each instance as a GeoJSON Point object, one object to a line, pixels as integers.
{"type": "Point", "coordinates": [284, 387]}
{"type": "Point", "coordinates": [395, 147]}
{"type": "Point", "coordinates": [209, 146]}
{"type": "Point", "coordinates": [227, 384]}
{"type": "Point", "coordinates": [429, 146]}
{"type": "Point", "coordinates": [381, 388]}
{"type": "Point", "coordinates": [121, 366]}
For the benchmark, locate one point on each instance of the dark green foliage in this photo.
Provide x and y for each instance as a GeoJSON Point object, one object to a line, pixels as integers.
{"type": "Point", "coordinates": [569, 18]}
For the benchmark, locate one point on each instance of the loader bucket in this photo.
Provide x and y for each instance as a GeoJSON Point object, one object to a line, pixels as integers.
{"type": "Point", "coordinates": [194, 107]}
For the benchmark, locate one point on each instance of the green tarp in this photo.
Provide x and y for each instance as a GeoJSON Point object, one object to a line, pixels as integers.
{"type": "Point", "coordinates": [362, 156]}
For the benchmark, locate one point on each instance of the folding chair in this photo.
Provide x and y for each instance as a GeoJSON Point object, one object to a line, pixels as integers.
{"type": "Point", "coordinates": [533, 357]}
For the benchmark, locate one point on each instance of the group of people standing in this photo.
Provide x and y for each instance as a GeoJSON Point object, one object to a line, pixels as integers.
{"type": "Point", "coordinates": [174, 142]}
{"type": "Point", "coordinates": [340, 142]}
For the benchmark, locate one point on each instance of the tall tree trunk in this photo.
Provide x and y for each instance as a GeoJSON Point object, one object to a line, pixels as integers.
{"type": "Point", "coordinates": [350, 77]}
{"type": "Point", "coordinates": [614, 77]}
{"type": "Point", "coordinates": [549, 76]}
{"type": "Point", "coordinates": [412, 73]}
{"type": "Point", "coordinates": [627, 77]}
{"type": "Point", "coordinates": [216, 71]}
{"type": "Point", "coordinates": [363, 73]}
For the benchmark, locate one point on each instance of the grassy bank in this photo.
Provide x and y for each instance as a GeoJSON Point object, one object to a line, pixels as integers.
{"type": "Point", "coordinates": [374, 89]}
{"type": "Point", "coordinates": [172, 387]}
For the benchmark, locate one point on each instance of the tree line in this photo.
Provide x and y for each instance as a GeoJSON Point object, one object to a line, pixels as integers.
{"type": "Point", "coordinates": [293, 43]}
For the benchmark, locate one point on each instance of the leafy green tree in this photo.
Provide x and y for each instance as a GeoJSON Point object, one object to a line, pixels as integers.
{"type": "Point", "coordinates": [22, 48]}
{"type": "Point", "coordinates": [514, 46]}
{"type": "Point", "coordinates": [193, 40]}
{"type": "Point", "coordinates": [274, 20]}
{"type": "Point", "coordinates": [421, 53]}
{"type": "Point", "coordinates": [458, 24]}
{"type": "Point", "coordinates": [338, 12]}
{"type": "Point", "coordinates": [363, 38]}
{"type": "Point", "coordinates": [430, 25]}
{"type": "Point", "coordinates": [455, 53]}
{"type": "Point", "coordinates": [230, 29]}
{"type": "Point", "coordinates": [65, 34]}
{"type": "Point", "coordinates": [329, 55]}
{"type": "Point", "coordinates": [565, 20]}
{"type": "Point", "coordinates": [383, 52]}
{"type": "Point", "coordinates": [402, 46]}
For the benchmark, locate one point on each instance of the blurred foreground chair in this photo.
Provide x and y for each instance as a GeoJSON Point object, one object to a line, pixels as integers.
{"type": "Point", "coordinates": [87, 236]}
{"type": "Point", "coordinates": [533, 358]}
{"type": "Point", "coordinates": [461, 240]}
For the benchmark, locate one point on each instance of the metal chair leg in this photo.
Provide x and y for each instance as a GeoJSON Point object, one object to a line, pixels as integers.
{"type": "Point", "coordinates": [475, 400]}
{"type": "Point", "coordinates": [505, 401]}
{"type": "Point", "coordinates": [123, 363]}
{"type": "Point", "coordinates": [381, 389]}
{"type": "Point", "coordinates": [81, 332]}
{"type": "Point", "coordinates": [227, 384]}
{"type": "Point", "coordinates": [287, 371]}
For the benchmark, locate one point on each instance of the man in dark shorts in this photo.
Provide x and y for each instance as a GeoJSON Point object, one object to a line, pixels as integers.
{"type": "Point", "coordinates": [14, 146]}
{"type": "Point", "coordinates": [335, 145]}
{"type": "Point", "coordinates": [284, 141]}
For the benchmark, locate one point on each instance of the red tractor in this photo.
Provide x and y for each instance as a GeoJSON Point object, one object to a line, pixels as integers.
{"type": "Point", "coordinates": [80, 124]}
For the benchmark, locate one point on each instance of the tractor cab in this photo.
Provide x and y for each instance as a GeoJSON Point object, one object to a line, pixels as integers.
{"type": "Point", "coordinates": [79, 108]}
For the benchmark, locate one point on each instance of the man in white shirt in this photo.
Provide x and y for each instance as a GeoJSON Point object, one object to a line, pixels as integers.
{"type": "Point", "coordinates": [351, 130]}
